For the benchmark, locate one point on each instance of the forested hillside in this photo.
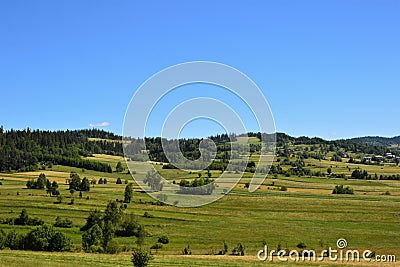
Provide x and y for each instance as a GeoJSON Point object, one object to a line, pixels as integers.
{"type": "Point", "coordinates": [392, 142]}
{"type": "Point", "coordinates": [25, 150]}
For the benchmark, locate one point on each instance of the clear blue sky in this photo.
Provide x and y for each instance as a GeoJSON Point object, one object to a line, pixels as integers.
{"type": "Point", "coordinates": [328, 68]}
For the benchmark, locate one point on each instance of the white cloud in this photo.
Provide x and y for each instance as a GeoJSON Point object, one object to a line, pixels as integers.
{"type": "Point", "coordinates": [103, 124]}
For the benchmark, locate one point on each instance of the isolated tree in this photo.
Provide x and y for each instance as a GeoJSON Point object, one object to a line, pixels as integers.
{"type": "Point", "coordinates": [95, 217]}
{"type": "Point", "coordinates": [23, 218]}
{"type": "Point", "coordinates": [75, 181]}
{"type": "Point", "coordinates": [48, 187]}
{"type": "Point", "coordinates": [119, 181]}
{"type": "Point", "coordinates": [329, 171]}
{"type": "Point", "coordinates": [225, 248]}
{"type": "Point", "coordinates": [119, 167]}
{"type": "Point", "coordinates": [54, 189]}
{"type": "Point", "coordinates": [108, 233]}
{"type": "Point", "coordinates": [113, 213]}
{"type": "Point", "coordinates": [85, 185]}
{"type": "Point", "coordinates": [128, 193]}
{"type": "Point", "coordinates": [141, 235]}
{"type": "Point", "coordinates": [153, 180]}
{"type": "Point", "coordinates": [41, 181]}
{"type": "Point", "coordinates": [92, 238]}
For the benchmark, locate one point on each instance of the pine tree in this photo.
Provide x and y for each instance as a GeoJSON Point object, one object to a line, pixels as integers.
{"type": "Point", "coordinates": [128, 193]}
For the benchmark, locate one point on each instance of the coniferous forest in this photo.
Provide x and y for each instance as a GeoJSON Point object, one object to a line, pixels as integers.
{"type": "Point", "coordinates": [26, 150]}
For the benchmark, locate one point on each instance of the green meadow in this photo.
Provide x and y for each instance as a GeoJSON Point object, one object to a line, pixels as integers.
{"type": "Point", "coordinates": [306, 212]}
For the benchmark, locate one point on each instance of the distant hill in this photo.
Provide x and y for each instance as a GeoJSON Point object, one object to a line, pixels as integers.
{"type": "Point", "coordinates": [27, 150]}
{"type": "Point", "coordinates": [392, 142]}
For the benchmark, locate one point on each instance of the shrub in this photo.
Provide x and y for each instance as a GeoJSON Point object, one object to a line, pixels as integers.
{"type": "Point", "coordinates": [129, 227]}
{"type": "Point", "coordinates": [187, 251]}
{"type": "Point", "coordinates": [3, 238]}
{"type": "Point", "coordinates": [113, 247]}
{"type": "Point", "coordinates": [238, 250]}
{"type": "Point", "coordinates": [63, 223]}
{"type": "Point", "coordinates": [24, 219]}
{"type": "Point", "coordinates": [59, 242]}
{"type": "Point", "coordinates": [147, 215]}
{"type": "Point", "coordinates": [283, 188]}
{"type": "Point", "coordinates": [301, 245]}
{"type": "Point", "coordinates": [225, 250]}
{"type": "Point", "coordinates": [59, 200]}
{"type": "Point", "coordinates": [163, 239]}
{"type": "Point", "coordinates": [14, 240]}
{"type": "Point", "coordinates": [141, 258]}
{"type": "Point", "coordinates": [156, 246]}
{"type": "Point", "coordinates": [92, 237]}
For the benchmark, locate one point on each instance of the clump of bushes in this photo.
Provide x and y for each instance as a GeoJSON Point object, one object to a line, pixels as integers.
{"type": "Point", "coordinates": [42, 238]}
{"type": "Point", "coordinates": [102, 227]}
{"type": "Point", "coordinates": [23, 219]}
{"type": "Point", "coordinates": [340, 189]}
{"type": "Point", "coordinates": [238, 250]}
{"type": "Point", "coordinates": [40, 183]}
{"type": "Point", "coordinates": [63, 223]}
{"type": "Point", "coordinates": [187, 251]}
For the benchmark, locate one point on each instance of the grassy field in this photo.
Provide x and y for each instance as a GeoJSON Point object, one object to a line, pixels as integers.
{"type": "Point", "coordinates": [307, 212]}
{"type": "Point", "coordinates": [34, 259]}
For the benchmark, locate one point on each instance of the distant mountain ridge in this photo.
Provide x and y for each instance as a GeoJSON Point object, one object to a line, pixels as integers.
{"type": "Point", "coordinates": [378, 141]}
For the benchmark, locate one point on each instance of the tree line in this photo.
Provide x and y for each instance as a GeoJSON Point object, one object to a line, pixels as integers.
{"type": "Point", "coordinates": [25, 150]}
